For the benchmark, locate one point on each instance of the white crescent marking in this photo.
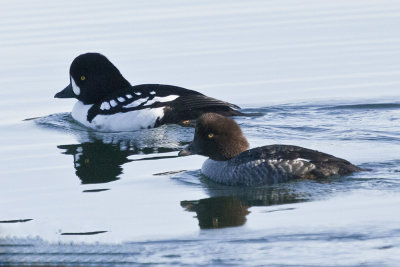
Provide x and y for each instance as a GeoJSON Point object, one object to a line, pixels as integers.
{"type": "Point", "coordinates": [75, 87]}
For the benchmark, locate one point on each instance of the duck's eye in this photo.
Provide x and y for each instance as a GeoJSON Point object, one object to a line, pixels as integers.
{"type": "Point", "coordinates": [83, 78]}
{"type": "Point", "coordinates": [210, 135]}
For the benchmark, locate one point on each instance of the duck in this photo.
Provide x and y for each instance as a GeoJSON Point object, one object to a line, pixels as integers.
{"type": "Point", "coordinates": [107, 102]}
{"type": "Point", "coordinates": [231, 162]}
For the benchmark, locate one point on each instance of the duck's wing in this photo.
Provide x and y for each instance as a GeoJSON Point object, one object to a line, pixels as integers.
{"type": "Point", "coordinates": [287, 152]}
{"type": "Point", "coordinates": [180, 104]}
{"type": "Point", "coordinates": [183, 104]}
{"type": "Point", "coordinates": [297, 152]}
{"type": "Point", "coordinates": [325, 164]}
{"type": "Point", "coordinates": [124, 100]}
{"type": "Point", "coordinates": [190, 107]}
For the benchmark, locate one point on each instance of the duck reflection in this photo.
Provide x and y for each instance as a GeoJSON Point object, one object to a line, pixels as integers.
{"type": "Point", "coordinates": [232, 205]}
{"type": "Point", "coordinates": [99, 157]}
{"type": "Point", "coordinates": [218, 212]}
{"type": "Point", "coordinates": [97, 162]}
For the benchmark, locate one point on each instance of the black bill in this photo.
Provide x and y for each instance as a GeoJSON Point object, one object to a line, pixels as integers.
{"type": "Point", "coordinates": [67, 92]}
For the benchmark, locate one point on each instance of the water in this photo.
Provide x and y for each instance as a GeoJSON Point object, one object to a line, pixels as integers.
{"type": "Point", "coordinates": [322, 75]}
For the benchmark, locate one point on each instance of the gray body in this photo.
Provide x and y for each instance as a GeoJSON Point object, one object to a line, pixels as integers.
{"type": "Point", "coordinates": [275, 164]}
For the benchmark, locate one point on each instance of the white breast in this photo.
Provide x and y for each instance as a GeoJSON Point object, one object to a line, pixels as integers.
{"type": "Point", "coordinates": [119, 122]}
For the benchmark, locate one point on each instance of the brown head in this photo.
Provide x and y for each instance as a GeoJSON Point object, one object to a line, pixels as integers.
{"type": "Point", "coordinates": [217, 137]}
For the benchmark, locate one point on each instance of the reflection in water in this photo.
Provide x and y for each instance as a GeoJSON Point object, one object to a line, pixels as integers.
{"type": "Point", "coordinates": [218, 212]}
{"type": "Point", "coordinates": [229, 206]}
{"type": "Point", "coordinates": [95, 190]}
{"type": "Point", "coordinates": [97, 162]}
{"type": "Point", "coordinates": [16, 221]}
{"type": "Point", "coordinates": [98, 156]}
{"type": "Point", "coordinates": [86, 233]}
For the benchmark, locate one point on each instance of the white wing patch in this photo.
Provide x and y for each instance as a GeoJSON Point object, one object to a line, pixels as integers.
{"type": "Point", "coordinates": [121, 99]}
{"type": "Point", "coordinates": [152, 92]}
{"type": "Point", "coordinates": [136, 103]}
{"type": "Point", "coordinates": [129, 96]}
{"type": "Point", "coordinates": [303, 159]}
{"type": "Point", "coordinates": [105, 106]}
{"type": "Point", "coordinates": [137, 93]}
{"type": "Point", "coordinates": [162, 99]}
{"type": "Point", "coordinates": [113, 103]}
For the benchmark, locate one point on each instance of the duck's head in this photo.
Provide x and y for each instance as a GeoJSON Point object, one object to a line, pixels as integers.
{"type": "Point", "coordinates": [216, 137]}
{"type": "Point", "coordinates": [92, 77]}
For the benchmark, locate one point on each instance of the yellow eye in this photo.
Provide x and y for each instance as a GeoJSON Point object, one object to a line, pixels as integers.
{"type": "Point", "coordinates": [210, 135]}
{"type": "Point", "coordinates": [83, 78]}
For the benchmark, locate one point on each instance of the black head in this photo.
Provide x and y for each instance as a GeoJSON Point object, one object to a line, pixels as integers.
{"type": "Point", "coordinates": [92, 77]}
{"type": "Point", "coordinates": [217, 137]}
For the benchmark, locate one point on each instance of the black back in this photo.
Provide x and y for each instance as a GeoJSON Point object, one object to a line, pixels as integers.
{"type": "Point", "coordinates": [187, 106]}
